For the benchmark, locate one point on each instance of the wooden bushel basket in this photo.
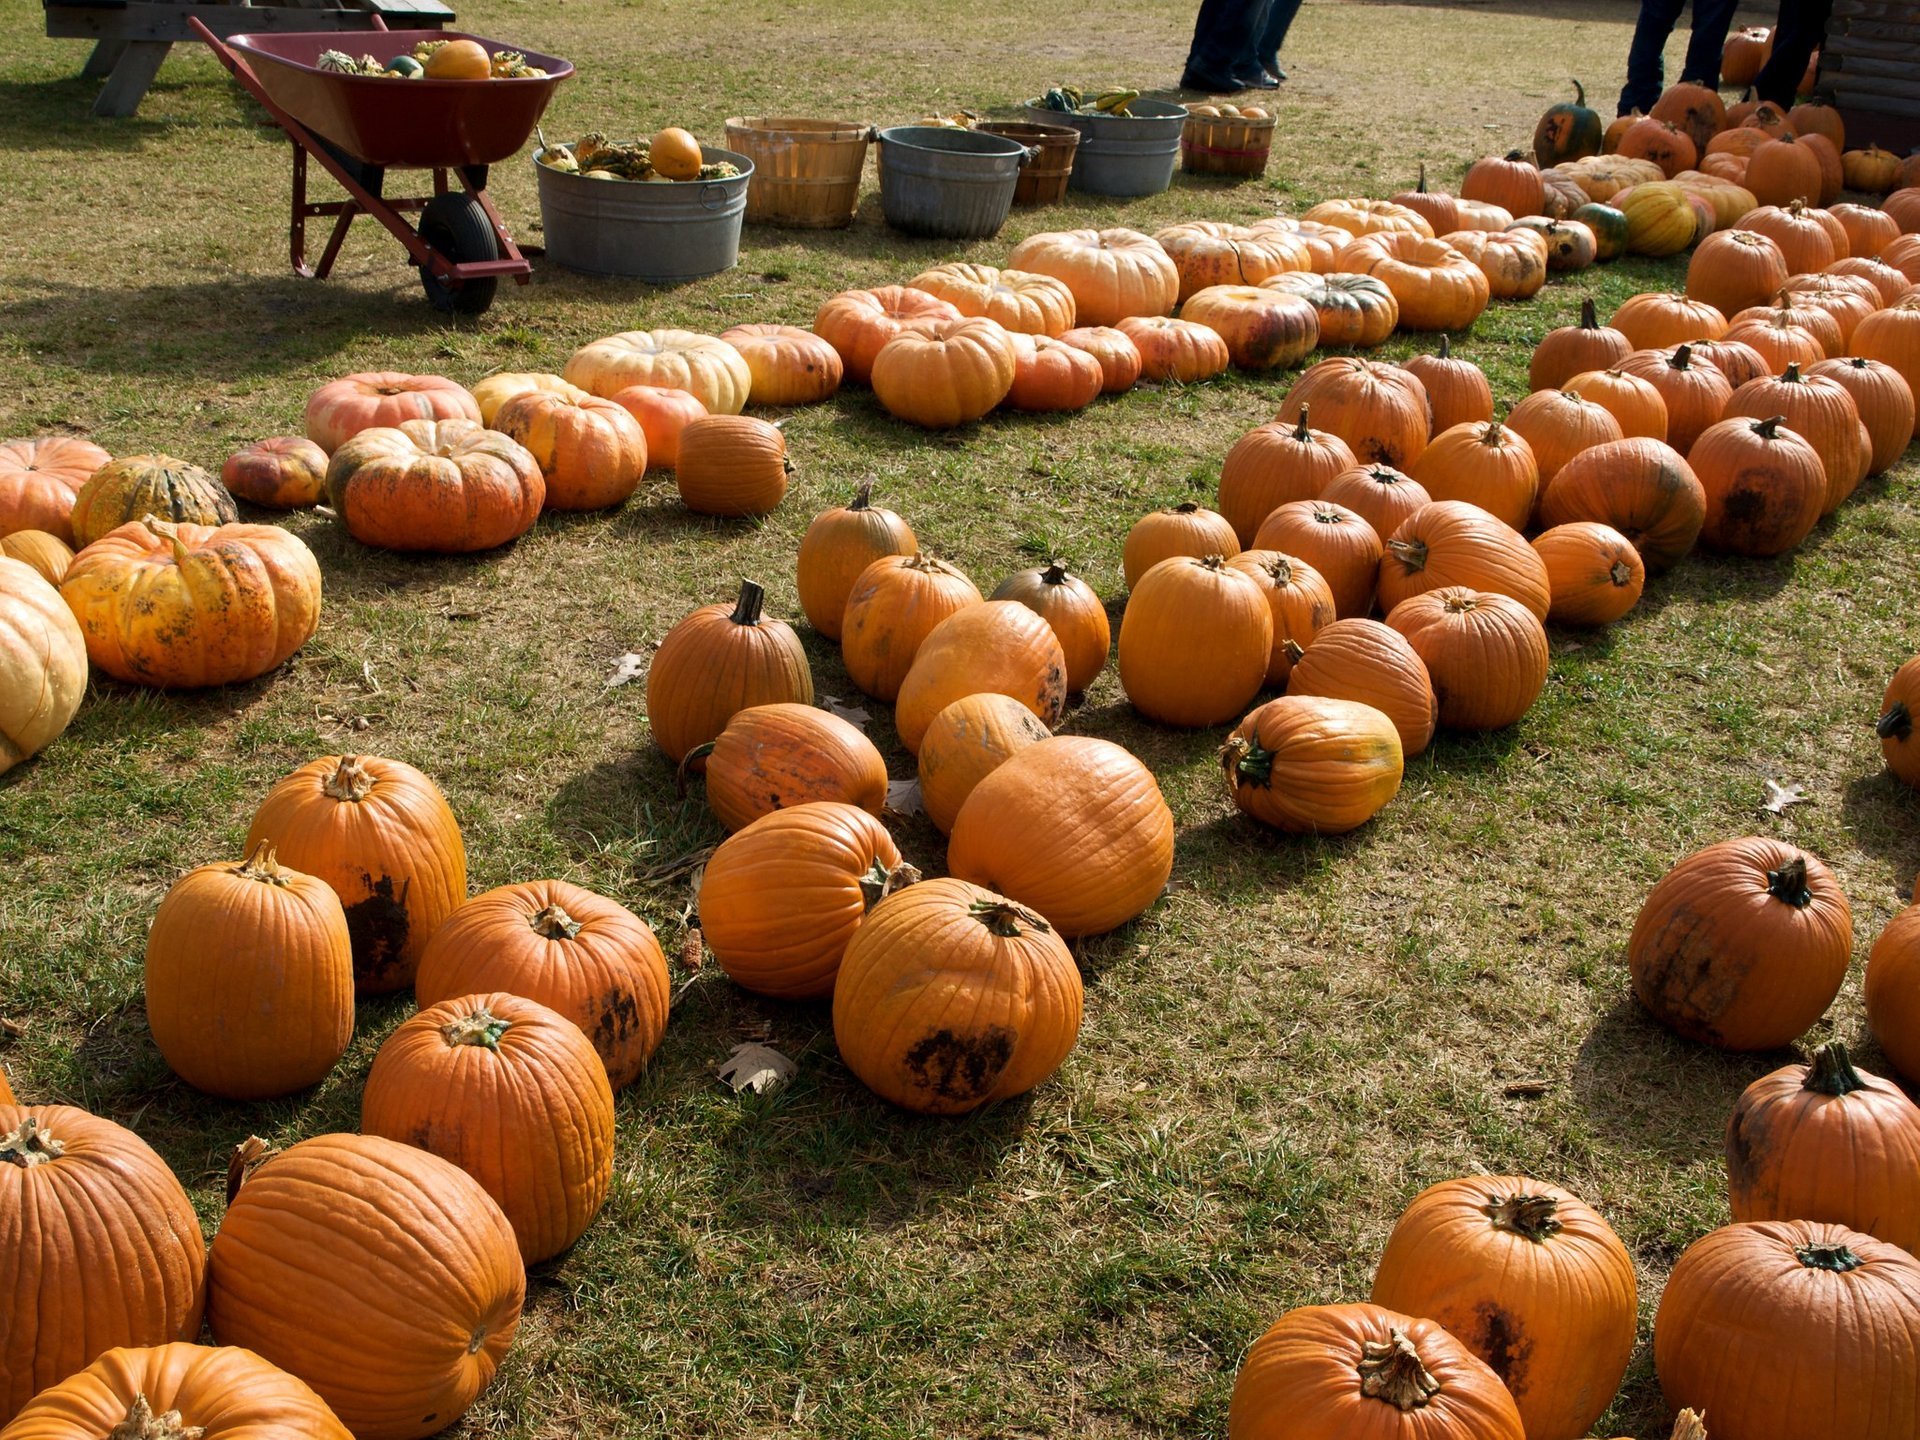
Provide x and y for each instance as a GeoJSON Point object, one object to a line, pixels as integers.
{"type": "Point", "coordinates": [1225, 145]}
{"type": "Point", "coordinates": [806, 172]}
{"type": "Point", "coordinates": [1044, 182]}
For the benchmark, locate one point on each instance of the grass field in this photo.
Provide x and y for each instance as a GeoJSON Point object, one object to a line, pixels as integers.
{"type": "Point", "coordinates": [1298, 1038]}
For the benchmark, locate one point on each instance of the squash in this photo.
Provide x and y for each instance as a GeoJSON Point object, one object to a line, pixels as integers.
{"type": "Point", "coordinates": [945, 376]}
{"type": "Point", "coordinates": [1355, 310]}
{"type": "Point", "coordinates": [1567, 131]}
{"type": "Point", "coordinates": [1112, 273]}
{"type": "Point", "coordinates": [1594, 575]}
{"type": "Point", "coordinates": [1020, 301]}
{"type": "Point", "coordinates": [1208, 253]}
{"type": "Point", "coordinates": [41, 552]}
{"type": "Point", "coordinates": [43, 664]}
{"type": "Point", "coordinates": [1263, 329]}
{"type": "Point", "coordinates": [1485, 464]}
{"type": "Point", "coordinates": [1169, 674]}
{"type": "Point", "coordinates": [894, 604]}
{"type": "Point", "coordinates": [772, 757]}
{"type": "Point", "coordinates": [705, 366]}
{"type": "Point", "coordinates": [1073, 610]}
{"type": "Point", "coordinates": [1457, 389]}
{"type": "Point", "coordinates": [789, 366]}
{"type": "Point", "coordinates": [1451, 543]}
{"type": "Point", "coordinates": [1487, 654]}
{"type": "Point", "coordinates": [1381, 411]}
{"type": "Point", "coordinates": [1365, 661]}
{"type": "Point", "coordinates": [40, 479]}
{"type": "Point", "coordinates": [1765, 486]}
{"type": "Point", "coordinates": [591, 452]}
{"type": "Point", "coordinates": [1119, 357]}
{"type": "Point", "coordinates": [1311, 765]}
{"type": "Point", "coordinates": [663, 415]}
{"type": "Point", "coordinates": [386, 399]}
{"type": "Point", "coordinates": [1733, 269]}
{"type": "Point", "coordinates": [1642, 488]}
{"type": "Point", "coordinates": [1183, 351]}
{"type": "Point", "coordinates": [444, 486]}
{"type": "Point", "coordinates": [859, 323]}
{"type": "Point", "coordinates": [1379, 494]}
{"type": "Point", "coordinates": [718, 661]}
{"type": "Point", "coordinates": [732, 465]}
{"type": "Point", "coordinates": [1274, 464]}
{"type": "Point", "coordinates": [1188, 529]}
{"type": "Point", "coordinates": [286, 472]}
{"type": "Point", "coordinates": [1335, 541]}
{"type": "Point", "coordinates": [125, 491]}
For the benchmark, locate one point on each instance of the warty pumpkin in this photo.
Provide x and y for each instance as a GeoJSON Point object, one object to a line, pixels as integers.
{"type": "Point", "coordinates": [99, 1247]}
{"type": "Point", "coordinates": [1529, 1278]}
{"type": "Point", "coordinates": [1575, 349]}
{"type": "Point", "coordinates": [1274, 464]}
{"type": "Point", "coordinates": [1020, 300]}
{"type": "Point", "coordinates": [1631, 399]}
{"type": "Point", "coordinates": [1642, 488]}
{"type": "Point", "coordinates": [789, 366]}
{"type": "Point", "coordinates": [1881, 399]}
{"type": "Point", "coordinates": [1732, 269]}
{"type": "Point", "coordinates": [43, 664]}
{"type": "Point", "coordinates": [1435, 286]}
{"type": "Point", "coordinates": [1825, 1141]}
{"type": "Point", "coordinates": [1486, 654]}
{"type": "Point", "coordinates": [1263, 329]}
{"type": "Point", "coordinates": [515, 1095]}
{"type": "Point", "coordinates": [1594, 575]}
{"type": "Point", "coordinates": [893, 605]}
{"type": "Point", "coordinates": [968, 740]}
{"type": "Point", "coordinates": [839, 544]}
{"type": "Point", "coordinates": [42, 552]}
{"type": "Point", "coordinates": [187, 606]}
{"type": "Point", "coordinates": [1742, 945]}
{"type": "Point", "coordinates": [1821, 412]}
{"type": "Point", "coordinates": [1355, 310]}
{"type": "Point", "coordinates": [1379, 494]}
{"type": "Point", "coordinates": [1335, 541]}
{"type": "Point", "coordinates": [952, 996]}
{"type": "Point", "coordinates": [1457, 389]}
{"type": "Point", "coordinates": [1361, 1372]}
{"type": "Point", "coordinates": [1892, 991]}
{"type": "Point", "coordinates": [703, 365]}
{"type": "Point", "coordinates": [1112, 273]}
{"type": "Point", "coordinates": [281, 473]}
{"type": "Point", "coordinates": [1052, 377]}
{"type": "Point", "coordinates": [782, 896]}
{"type": "Point", "coordinates": [580, 954]}
{"type": "Point", "coordinates": [249, 978]}
{"type": "Point", "coordinates": [1365, 661]}
{"type": "Point", "coordinates": [997, 645]}
{"type": "Point", "coordinates": [948, 374]}
{"type": "Point", "coordinates": [1207, 253]}
{"type": "Point", "coordinates": [1765, 486]}
{"type": "Point", "coordinates": [1195, 642]}
{"type": "Point", "coordinates": [383, 837]}
{"type": "Point", "coordinates": [858, 323]}
{"type": "Point", "coordinates": [1312, 765]}
{"type": "Point", "coordinates": [1298, 597]}
{"type": "Point", "coordinates": [715, 663]}
{"type": "Point", "coordinates": [383, 399]}
{"type": "Point", "coordinates": [178, 1391]}
{"type": "Point", "coordinates": [771, 757]}
{"type": "Point", "coordinates": [127, 490]}
{"type": "Point", "coordinates": [662, 415]}
{"type": "Point", "coordinates": [732, 465]}
{"type": "Point", "coordinates": [448, 487]}
{"type": "Point", "coordinates": [1485, 464]}
{"type": "Point", "coordinates": [1380, 411]}
{"type": "Point", "coordinates": [40, 479]}
{"type": "Point", "coordinates": [1780, 1329]}
{"type": "Point", "coordinates": [1188, 528]}
{"type": "Point", "coordinates": [591, 452]}
{"type": "Point", "coordinates": [383, 1276]}
{"type": "Point", "coordinates": [1558, 425]}
{"type": "Point", "coordinates": [1183, 351]}
{"type": "Point", "coordinates": [1451, 543]}
{"type": "Point", "coordinates": [1074, 827]}
{"type": "Point", "coordinates": [1073, 610]}
{"type": "Point", "coordinates": [1119, 357]}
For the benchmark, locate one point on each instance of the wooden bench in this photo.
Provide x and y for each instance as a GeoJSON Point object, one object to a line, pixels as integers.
{"type": "Point", "coordinates": [131, 37]}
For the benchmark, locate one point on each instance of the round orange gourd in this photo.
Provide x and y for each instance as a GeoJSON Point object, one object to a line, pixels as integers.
{"type": "Point", "coordinates": [1434, 284]}
{"type": "Point", "coordinates": [40, 551]}
{"type": "Point", "coordinates": [732, 465]}
{"type": "Point", "coordinates": [1575, 349]}
{"type": "Point", "coordinates": [1693, 395]}
{"type": "Point", "coordinates": [503, 385]}
{"type": "Point", "coordinates": [997, 645]}
{"type": "Point", "coordinates": [1380, 411]}
{"type": "Point", "coordinates": [1335, 541]}
{"type": "Point", "coordinates": [1367, 662]}
{"type": "Point", "coordinates": [789, 366]}
{"type": "Point", "coordinates": [1019, 300]}
{"type": "Point", "coordinates": [1732, 269]}
{"type": "Point", "coordinates": [1274, 464]}
{"type": "Point", "coordinates": [1511, 181]}
{"type": "Point", "coordinates": [443, 486]}
{"type": "Point", "coordinates": [1310, 765]}
{"type": "Point", "coordinates": [676, 154]}
{"type": "Point", "coordinates": [1821, 412]}
{"type": "Point", "coordinates": [705, 366]}
{"type": "Point", "coordinates": [1052, 377]}
{"type": "Point", "coordinates": [40, 479]}
{"type": "Point", "coordinates": [1783, 170]}
{"type": "Point", "coordinates": [1360, 216]}
{"type": "Point", "coordinates": [385, 399]}
{"type": "Point", "coordinates": [663, 415]}
{"type": "Point", "coordinates": [1594, 575]}
{"type": "Point", "coordinates": [591, 452]}
{"type": "Point", "coordinates": [1486, 653]}
{"type": "Point", "coordinates": [1513, 261]}
{"type": "Point", "coordinates": [715, 663]}
{"type": "Point", "coordinates": [1208, 253]}
{"type": "Point", "coordinates": [893, 605]}
{"type": "Point", "coordinates": [1297, 595]}
{"type": "Point", "coordinates": [1451, 543]}
{"type": "Point", "coordinates": [772, 757]}
{"type": "Point", "coordinates": [1183, 351]}
{"type": "Point", "coordinates": [1642, 488]}
{"type": "Point", "coordinates": [967, 741]}
{"type": "Point", "coordinates": [1379, 494]}
{"type": "Point", "coordinates": [1892, 991]}
{"type": "Point", "coordinates": [858, 323]}
{"type": "Point", "coordinates": [1457, 389]}
{"type": "Point", "coordinates": [1657, 320]}
{"type": "Point", "coordinates": [1119, 357]}
{"type": "Point", "coordinates": [1765, 486]}
{"type": "Point", "coordinates": [282, 473]}
{"type": "Point", "coordinates": [459, 60]}
{"type": "Point", "coordinates": [1892, 336]}
{"type": "Point", "coordinates": [1170, 674]}
{"type": "Point", "coordinates": [1355, 310]}
{"type": "Point", "coordinates": [1558, 425]}
{"type": "Point", "coordinates": [1188, 528]}
{"type": "Point", "coordinates": [1881, 399]}
{"type": "Point", "coordinates": [1485, 464]}
{"type": "Point", "coordinates": [43, 664]}
{"type": "Point", "coordinates": [1263, 329]}
{"type": "Point", "coordinates": [1112, 273]}
{"type": "Point", "coordinates": [839, 544]}
{"type": "Point", "coordinates": [946, 375]}
{"type": "Point", "coordinates": [1074, 611]}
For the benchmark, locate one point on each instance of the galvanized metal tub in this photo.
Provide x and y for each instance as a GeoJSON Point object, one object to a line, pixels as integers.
{"type": "Point", "coordinates": [663, 232]}
{"type": "Point", "coordinates": [1122, 154]}
{"type": "Point", "coordinates": [950, 183]}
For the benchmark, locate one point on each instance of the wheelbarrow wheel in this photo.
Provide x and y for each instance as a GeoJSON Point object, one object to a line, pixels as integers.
{"type": "Point", "coordinates": [455, 224]}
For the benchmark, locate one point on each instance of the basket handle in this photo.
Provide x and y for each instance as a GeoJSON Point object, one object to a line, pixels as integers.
{"type": "Point", "coordinates": [1028, 154]}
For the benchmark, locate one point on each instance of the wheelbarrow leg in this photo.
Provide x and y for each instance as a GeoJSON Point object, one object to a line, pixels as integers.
{"type": "Point", "coordinates": [106, 54]}
{"type": "Point", "coordinates": [297, 226]}
{"type": "Point", "coordinates": [348, 209]}
{"type": "Point", "coordinates": [132, 73]}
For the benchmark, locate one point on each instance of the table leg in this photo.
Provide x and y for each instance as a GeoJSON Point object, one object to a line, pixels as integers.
{"type": "Point", "coordinates": [132, 73]}
{"type": "Point", "coordinates": [106, 54]}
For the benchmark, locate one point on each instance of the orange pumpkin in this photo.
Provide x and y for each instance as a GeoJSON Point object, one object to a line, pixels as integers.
{"type": "Point", "coordinates": [1765, 486]}
{"type": "Point", "coordinates": [1208, 253]}
{"type": "Point", "coordinates": [1485, 464]}
{"type": "Point", "coordinates": [591, 452]}
{"type": "Point", "coordinates": [1892, 989]}
{"type": "Point", "coordinates": [1451, 543]}
{"type": "Point", "coordinates": [1783, 170]}
{"type": "Point", "coordinates": [1457, 389]}
{"type": "Point", "coordinates": [1365, 661]}
{"type": "Point", "coordinates": [1821, 412]}
{"type": "Point", "coordinates": [663, 415]}
{"type": "Point", "coordinates": [1335, 541]}
{"type": "Point", "coordinates": [1558, 425]}
{"type": "Point", "coordinates": [718, 661]}
{"type": "Point", "coordinates": [1183, 351]}
{"type": "Point", "coordinates": [1355, 310]}
{"type": "Point", "coordinates": [1892, 336]}
{"type": "Point", "coordinates": [1440, 210]}
{"type": "Point", "coordinates": [1658, 320]}
{"type": "Point", "coordinates": [1575, 349]}
{"type": "Point", "coordinates": [44, 554]}
{"type": "Point", "coordinates": [1323, 242]}
{"type": "Point", "coordinates": [1742, 945]}
{"type": "Point", "coordinates": [1737, 361]}
{"type": "Point", "coordinates": [1732, 269]}
{"type": "Point", "coordinates": [283, 473]}
{"type": "Point", "coordinates": [1381, 411]}
{"type": "Point", "coordinates": [40, 479]}
{"type": "Point", "coordinates": [772, 757]}
{"type": "Point", "coordinates": [1882, 400]}
{"type": "Point", "coordinates": [1642, 488]}
{"type": "Point", "coordinates": [1486, 654]}
{"type": "Point", "coordinates": [1594, 575]}
{"type": "Point", "coordinates": [1741, 57]}
{"type": "Point", "coordinates": [1435, 286]}
{"type": "Point", "coordinates": [1073, 610]}
{"type": "Point", "coordinates": [1848, 299]}
{"type": "Point", "coordinates": [1888, 282]}
{"type": "Point", "coordinates": [1019, 300]}
{"type": "Point", "coordinates": [966, 742]}
{"type": "Point", "coordinates": [341, 409]}
{"type": "Point", "coordinates": [893, 605]}
{"type": "Point", "coordinates": [1119, 357]}
{"type": "Point", "coordinates": [1051, 376]}
{"type": "Point", "coordinates": [1693, 108]}
{"type": "Point", "coordinates": [446, 486]}
{"type": "Point", "coordinates": [503, 385]}
{"type": "Point", "coordinates": [43, 664]}
{"type": "Point", "coordinates": [1511, 181]}
{"type": "Point", "coordinates": [1188, 528]}
{"type": "Point", "coordinates": [1666, 145]}
{"type": "Point", "coordinates": [789, 366]}
{"type": "Point", "coordinates": [1168, 675]}
{"type": "Point", "coordinates": [1112, 273]}
{"type": "Point", "coordinates": [1514, 261]}
{"type": "Point", "coordinates": [1695, 395]}
{"type": "Point", "coordinates": [839, 544]}
{"type": "Point", "coordinates": [1309, 765]}
{"type": "Point", "coordinates": [705, 366]}
{"type": "Point", "coordinates": [1274, 464]}
{"type": "Point", "coordinates": [998, 645]}
{"type": "Point", "coordinates": [1631, 399]}
{"type": "Point", "coordinates": [859, 323]}
{"type": "Point", "coordinates": [1360, 216]}
{"type": "Point", "coordinates": [1299, 599]}
{"type": "Point", "coordinates": [732, 465]}
{"type": "Point", "coordinates": [1263, 329]}
{"type": "Point", "coordinates": [1379, 494]}
{"type": "Point", "coordinates": [946, 375]}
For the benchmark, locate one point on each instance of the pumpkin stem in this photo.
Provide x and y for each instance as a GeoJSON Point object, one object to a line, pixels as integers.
{"type": "Point", "coordinates": [1446, 347]}
{"type": "Point", "coordinates": [1532, 1217]}
{"type": "Point", "coordinates": [880, 882]}
{"type": "Point", "coordinates": [1294, 651]}
{"type": "Point", "coordinates": [1832, 1072]}
{"type": "Point", "coordinates": [1420, 185]}
{"type": "Point", "coordinates": [1789, 883]}
{"type": "Point", "coordinates": [1791, 375]}
{"type": "Point", "coordinates": [1281, 569]}
{"type": "Point", "coordinates": [247, 1155]}
{"type": "Point", "coordinates": [1410, 553]}
{"type": "Point", "coordinates": [1460, 604]}
{"type": "Point", "coordinates": [142, 1424]}
{"type": "Point", "coordinates": [259, 865]}
{"type": "Point", "coordinates": [1681, 358]}
{"type": "Point", "coordinates": [1185, 507]}
{"type": "Point", "coordinates": [1896, 724]}
{"type": "Point", "coordinates": [482, 1027]}
{"type": "Point", "coordinates": [551, 922]}
{"type": "Point", "coordinates": [1494, 434]}
{"type": "Point", "coordinates": [1391, 1370]}
{"type": "Point", "coordinates": [746, 610]}
{"type": "Point", "coordinates": [1520, 157]}
{"type": "Point", "coordinates": [1055, 572]}
{"type": "Point", "coordinates": [1300, 431]}
{"type": "Point", "coordinates": [1245, 760]}
{"type": "Point", "coordinates": [1689, 1426]}
{"type": "Point", "coordinates": [1835, 1259]}
{"type": "Point", "coordinates": [30, 1145]}
{"type": "Point", "coordinates": [699, 752]}
{"type": "Point", "coordinates": [1006, 919]}
{"type": "Point", "coordinates": [1589, 317]}
{"type": "Point", "coordinates": [1769, 428]}
{"type": "Point", "coordinates": [351, 780]}
{"type": "Point", "coordinates": [862, 497]}
{"type": "Point", "coordinates": [1621, 573]}
{"type": "Point", "coordinates": [1214, 562]}
{"type": "Point", "coordinates": [1579, 93]}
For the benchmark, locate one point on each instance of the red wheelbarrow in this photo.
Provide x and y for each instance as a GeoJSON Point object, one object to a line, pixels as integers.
{"type": "Point", "coordinates": [360, 126]}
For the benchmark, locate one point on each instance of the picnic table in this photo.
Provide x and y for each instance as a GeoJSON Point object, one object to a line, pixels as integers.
{"type": "Point", "coordinates": [131, 37]}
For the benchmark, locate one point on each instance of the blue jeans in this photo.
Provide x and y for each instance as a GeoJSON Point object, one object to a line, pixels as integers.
{"type": "Point", "coordinates": [1221, 34]}
{"type": "Point", "coordinates": [1800, 30]}
{"type": "Point", "coordinates": [1270, 28]}
{"type": "Point", "coordinates": [1646, 65]}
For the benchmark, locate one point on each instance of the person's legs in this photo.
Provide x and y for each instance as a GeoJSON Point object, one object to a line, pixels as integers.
{"type": "Point", "coordinates": [1800, 30]}
{"type": "Point", "coordinates": [1273, 32]}
{"type": "Point", "coordinates": [1711, 21]}
{"type": "Point", "coordinates": [1646, 63]}
{"type": "Point", "coordinates": [1219, 35]}
{"type": "Point", "coordinates": [1247, 62]}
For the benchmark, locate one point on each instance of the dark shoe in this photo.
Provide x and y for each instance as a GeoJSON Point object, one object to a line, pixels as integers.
{"type": "Point", "coordinates": [1263, 81]}
{"type": "Point", "coordinates": [1191, 79]}
{"type": "Point", "coordinates": [1277, 73]}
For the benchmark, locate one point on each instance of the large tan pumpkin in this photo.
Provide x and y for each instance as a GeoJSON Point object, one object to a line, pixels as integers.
{"type": "Point", "coordinates": [1112, 273]}
{"type": "Point", "coordinates": [703, 365]}
{"type": "Point", "coordinates": [43, 664]}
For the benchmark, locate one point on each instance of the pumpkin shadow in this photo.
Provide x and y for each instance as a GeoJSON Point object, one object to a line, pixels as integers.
{"type": "Point", "coordinates": [1882, 816]}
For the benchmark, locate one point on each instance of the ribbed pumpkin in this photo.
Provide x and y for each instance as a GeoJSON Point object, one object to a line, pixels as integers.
{"type": "Point", "coordinates": [1019, 300]}
{"type": "Point", "coordinates": [1665, 144]}
{"type": "Point", "coordinates": [39, 480]}
{"type": "Point", "coordinates": [732, 465]}
{"type": "Point", "coordinates": [1485, 464]}
{"type": "Point", "coordinates": [1784, 170]}
{"type": "Point", "coordinates": [1379, 494]}
{"type": "Point", "coordinates": [1188, 529]}
{"type": "Point", "coordinates": [1847, 299]}
{"type": "Point", "coordinates": [1074, 611]}
{"type": "Point", "coordinates": [1742, 945]}
{"type": "Point", "coordinates": [443, 486]}
{"type": "Point", "coordinates": [1263, 329]}
{"type": "Point", "coordinates": [1732, 269]}
{"type": "Point", "coordinates": [497, 389]}
{"type": "Point", "coordinates": [1630, 399]}
{"type": "Point", "coordinates": [383, 1276]}
{"type": "Point", "coordinates": [1695, 394]}
{"type": "Point", "coordinates": [1365, 661]}
{"type": "Point", "coordinates": [771, 757]}
{"type": "Point", "coordinates": [952, 996]}
{"type": "Point", "coordinates": [1662, 219]}
{"type": "Point", "coordinates": [188, 606]}
{"type": "Point", "coordinates": [1323, 242]}
{"type": "Point", "coordinates": [1440, 210]}
{"type": "Point", "coordinates": [1738, 361]}
{"type": "Point", "coordinates": [1869, 230]}
{"type": "Point", "coordinates": [703, 365]}
{"type": "Point", "coordinates": [1892, 336]}
{"type": "Point", "coordinates": [249, 978]}
{"type": "Point", "coordinates": [381, 834]}
{"type": "Point", "coordinates": [515, 1095]}
{"type": "Point", "coordinates": [1765, 486]}
{"type": "Point", "coordinates": [1435, 286]}
{"type": "Point", "coordinates": [717, 662]}
{"type": "Point", "coordinates": [383, 399]}
{"type": "Point", "coordinates": [1355, 310]}
{"type": "Point", "coordinates": [1451, 543]}
{"type": "Point", "coordinates": [1119, 357]}
{"type": "Point", "coordinates": [1819, 411]}
{"type": "Point", "coordinates": [1208, 253]}
{"type": "Point", "coordinates": [1335, 541]}
{"type": "Point", "coordinates": [1274, 464]}
{"type": "Point", "coordinates": [1381, 411]}
{"type": "Point", "coordinates": [578, 953]}
{"type": "Point", "coordinates": [178, 1391]}
{"type": "Point", "coordinates": [1642, 488]}
{"type": "Point", "coordinates": [98, 1247]}
{"type": "Point", "coordinates": [1793, 312]}
{"type": "Point", "coordinates": [1311, 765]}
{"type": "Point", "coordinates": [967, 741]}
{"type": "Point", "coordinates": [1183, 351]}
{"type": "Point", "coordinates": [124, 491]}
{"type": "Point", "coordinates": [1558, 425]}
{"type": "Point", "coordinates": [1882, 400]}
{"type": "Point", "coordinates": [1892, 991]}
{"type": "Point", "coordinates": [1486, 654]}
{"type": "Point", "coordinates": [1824, 1141]}
{"type": "Point", "coordinates": [948, 374]}
{"type": "Point", "coordinates": [1779, 337]}
{"type": "Point", "coordinates": [1074, 827]}
{"type": "Point", "coordinates": [857, 323]}
{"type": "Point", "coordinates": [1594, 575]}
{"type": "Point", "coordinates": [1511, 181]}
{"type": "Point", "coordinates": [1457, 389]}
{"type": "Point", "coordinates": [1529, 1278]}
{"type": "Point", "coordinates": [43, 664]}
{"type": "Point", "coordinates": [1899, 708]}
{"type": "Point", "coordinates": [1514, 261]}
{"type": "Point", "coordinates": [1742, 56]}
{"type": "Point", "coordinates": [591, 452]}
{"type": "Point", "coordinates": [789, 366]}
{"type": "Point", "coordinates": [42, 552]}
{"type": "Point", "coordinates": [1051, 377]}
{"type": "Point", "coordinates": [281, 473]}
{"type": "Point", "coordinates": [1805, 242]}
{"type": "Point", "coordinates": [1112, 273]}
{"type": "Point", "coordinates": [1777, 1330]}
{"type": "Point", "coordinates": [1360, 1372]}
{"type": "Point", "coordinates": [663, 414]}
{"type": "Point", "coordinates": [1887, 282]}
{"type": "Point", "coordinates": [997, 645]}
{"type": "Point", "coordinates": [1299, 599]}
{"type": "Point", "coordinates": [782, 896]}
{"type": "Point", "coordinates": [1575, 349]}
{"type": "Point", "coordinates": [1358, 215]}
{"type": "Point", "coordinates": [1657, 320]}
{"type": "Point", "coordinates": [894, 603]}
{"type": "Point", "coordinates": [1195, 642]}
{"type": "Point", "coordinates": [839, 544]}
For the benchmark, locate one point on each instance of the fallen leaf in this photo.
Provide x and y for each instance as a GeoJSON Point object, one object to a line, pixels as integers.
{"type": "Point", "coordinates": [679, 865]}
{"type": "Point", "coordinates": [693, 950]}
{"type": "Point", "coordinates": [1779, 797]}
{"type": "Point", "coordinates": [903, 797]}
{"type": "Point", "coordinates": [631, 666]}
{"type": "Point", "coordinates": [1526, 1089]}
{"type": "Point", "coordinates": [758, 1068]}
{"type": "Point", "coordinates": [852, 714]}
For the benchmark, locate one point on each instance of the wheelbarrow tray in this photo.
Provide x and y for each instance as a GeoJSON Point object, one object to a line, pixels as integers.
{"type": "Point", "coordinates": [404, 123]}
